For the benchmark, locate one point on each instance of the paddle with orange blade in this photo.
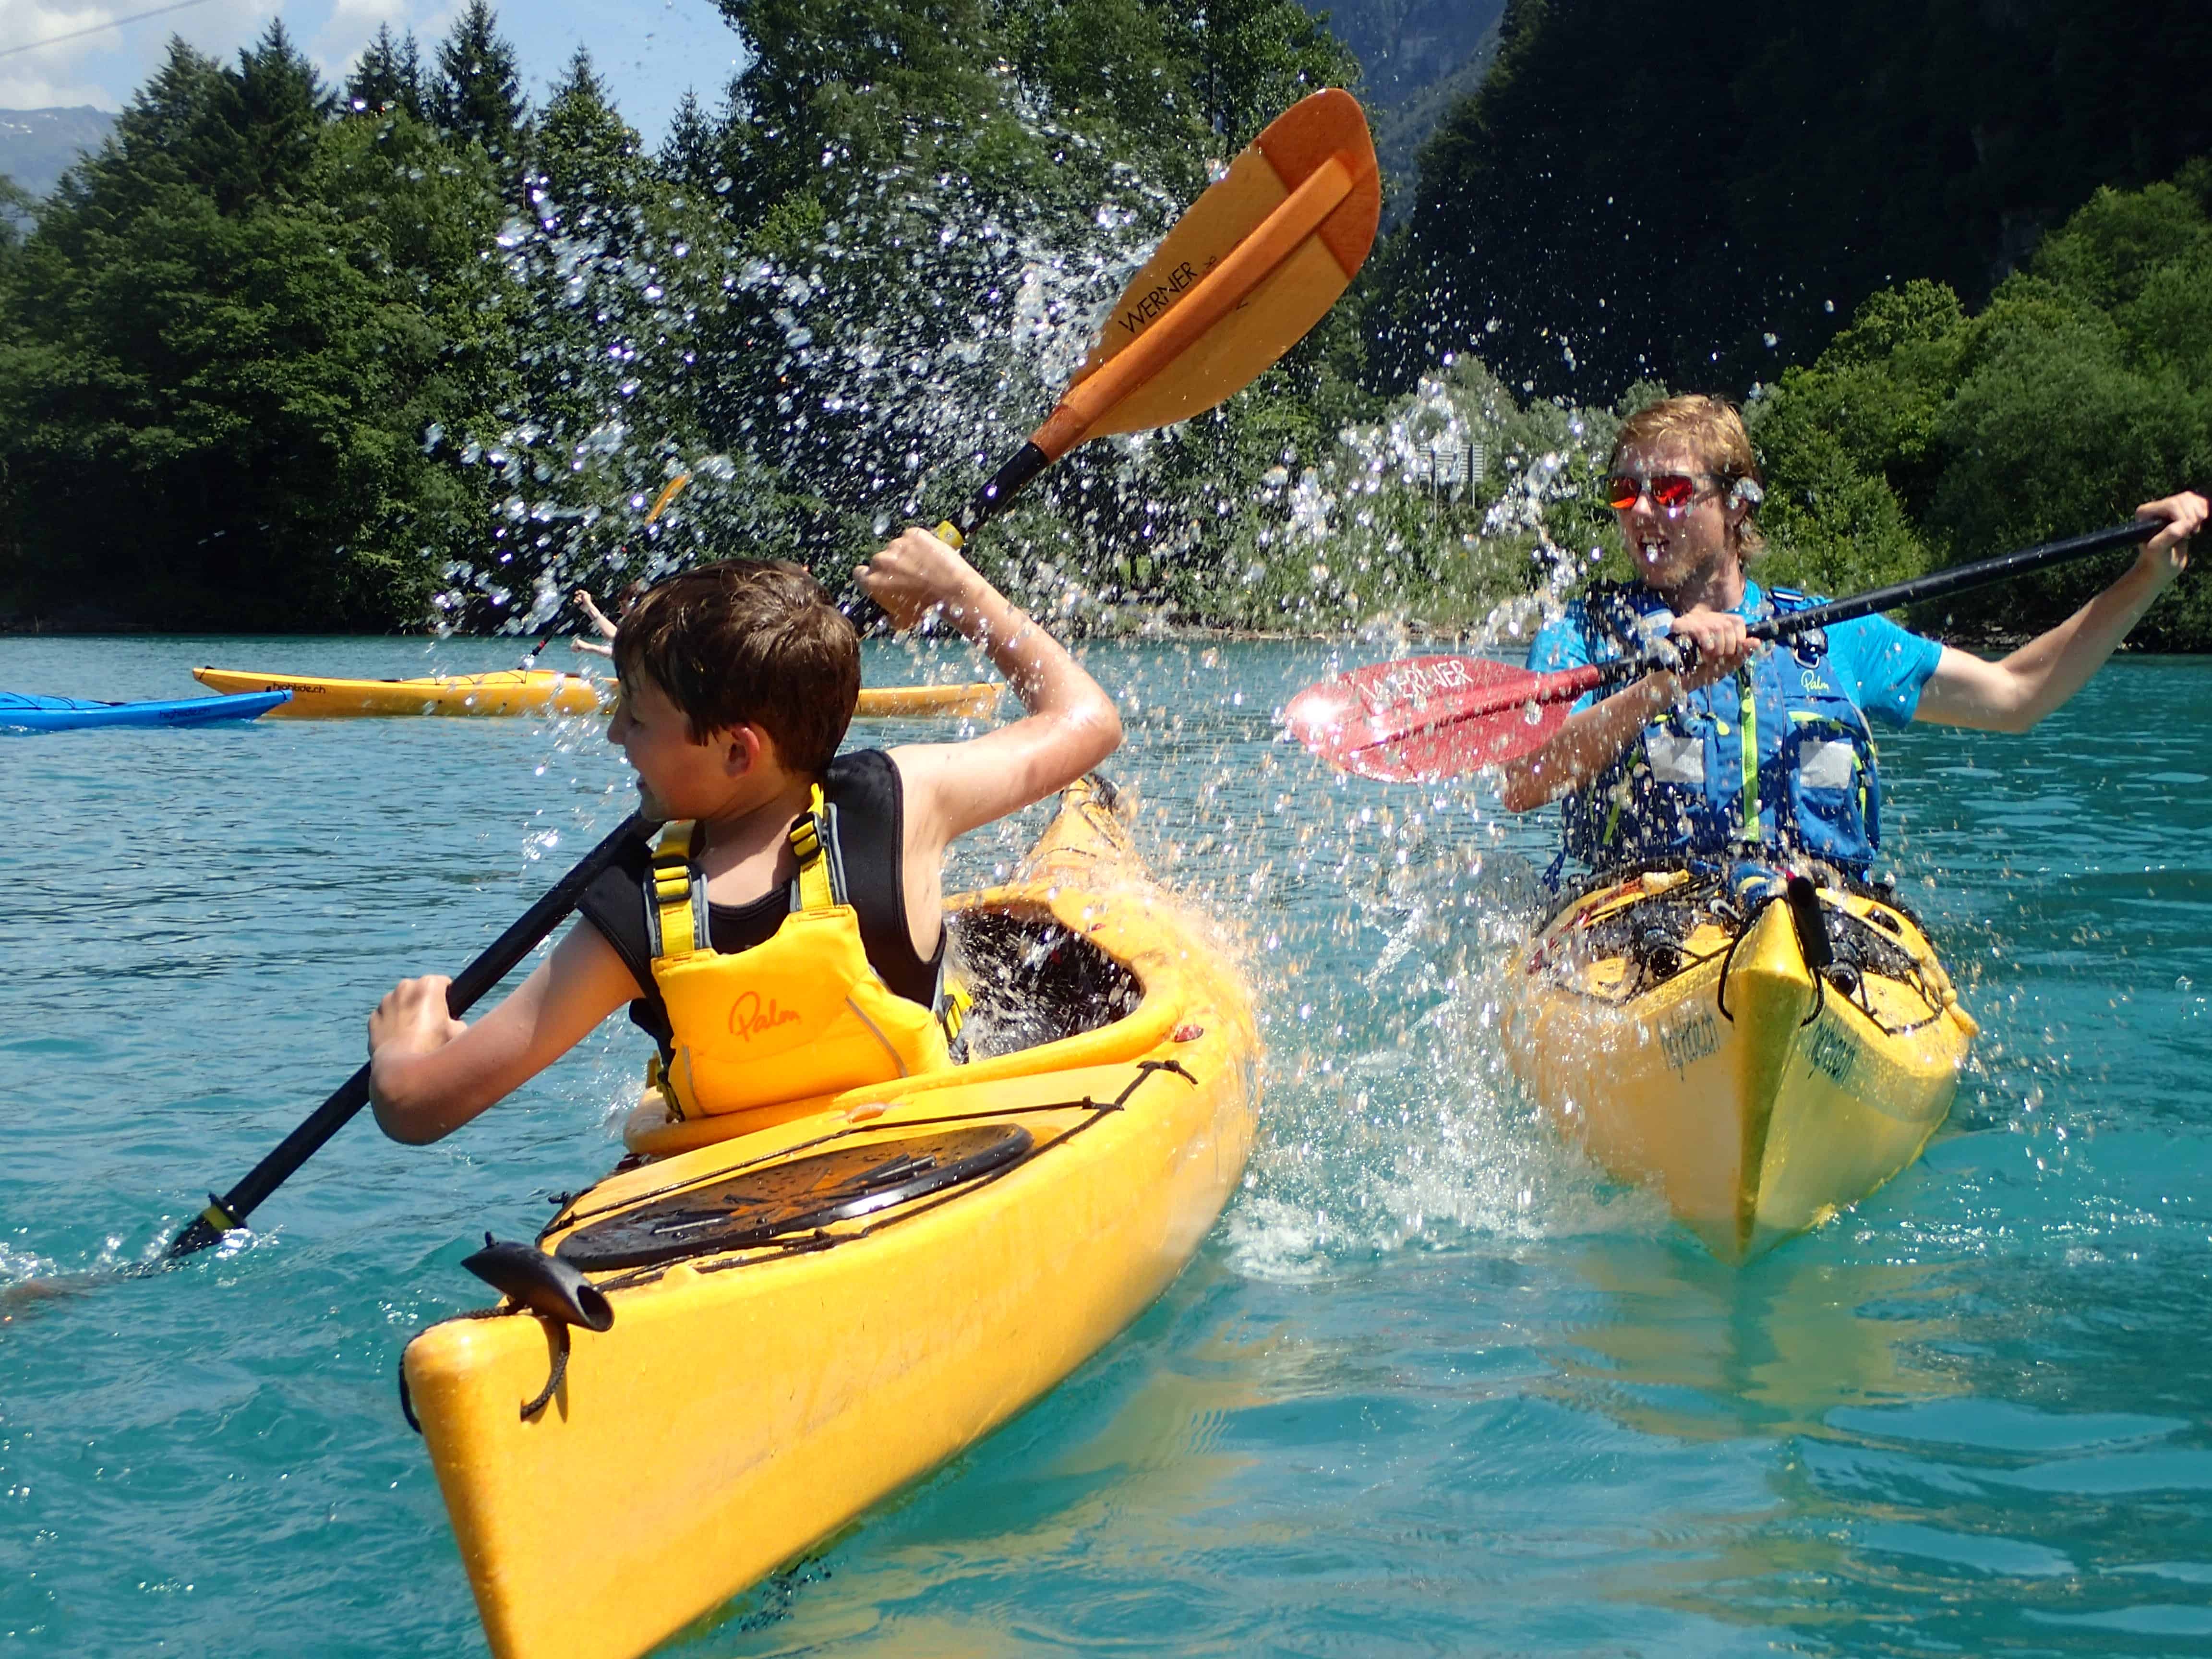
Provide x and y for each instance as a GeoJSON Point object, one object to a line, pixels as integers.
{"type": "Point", "coordinates": [1422, 719]}
{"type": "Point", "coordinates": [1244, 277]}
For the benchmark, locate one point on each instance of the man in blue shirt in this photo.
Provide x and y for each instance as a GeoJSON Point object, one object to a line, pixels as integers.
{"type": "Point", "coordinates": [1768, 746]}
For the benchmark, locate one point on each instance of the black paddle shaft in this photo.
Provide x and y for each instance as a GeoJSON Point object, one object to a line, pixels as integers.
{"type": "Point", "coordinates": [1936, 586]}
{"type": "Point", "coordinates": [468, 987]}
{"type": "Point", "coordinates": [995, 496]}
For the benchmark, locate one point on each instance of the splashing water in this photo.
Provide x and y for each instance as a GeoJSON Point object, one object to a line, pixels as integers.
{"type": "Point", "coordinates": [866, 370]}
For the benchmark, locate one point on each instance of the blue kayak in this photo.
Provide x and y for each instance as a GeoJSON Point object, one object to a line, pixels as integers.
{"type": "Point", "coordinates": [19, 711]}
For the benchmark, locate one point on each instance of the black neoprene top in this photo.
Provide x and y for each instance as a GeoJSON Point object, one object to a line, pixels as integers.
{"type": "Point", "coordinates": [865, 788]}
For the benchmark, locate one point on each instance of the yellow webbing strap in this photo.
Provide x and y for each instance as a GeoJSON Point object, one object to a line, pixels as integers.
{"type": "Point", "coordinates": [671, 892]}
{"type": "Point", "coordinates": [815, 889]}
{"type": "Point", "coordinates": [1748, 709]}
{"type": "Point", "coordinates": [952, 1010]}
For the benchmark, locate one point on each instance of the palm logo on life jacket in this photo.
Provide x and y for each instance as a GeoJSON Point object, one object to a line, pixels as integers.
{"type": "Point", "coordinates": [800, 1016]}
{"type": "Point", "coordinates": [1776, 756]}
{"type": "Point", "coordinates": [748, 1019]}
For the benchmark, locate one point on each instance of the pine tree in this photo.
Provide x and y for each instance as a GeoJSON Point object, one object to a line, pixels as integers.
{"type": "Point", "coordinates": [588, 156]}
{"type": "Point", "coordinates": [15, 206]}
{"type": "Point", "coordinates": [691, 154]}
{"type": "Point", "coordinates": [476, 93]}
{"type": "Point", "coordinates": [388, 76]}
{"type": "Point", "coordinates": [151, 144]}
{"type": "Point", "coordinates": [260, 140]}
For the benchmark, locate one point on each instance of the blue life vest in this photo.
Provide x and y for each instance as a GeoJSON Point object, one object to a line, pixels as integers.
{"type": "Point", "coordinates": [1776, 756]}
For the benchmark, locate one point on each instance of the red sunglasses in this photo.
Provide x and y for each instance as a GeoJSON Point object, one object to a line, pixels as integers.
{"type": "Point", "coordinates": [1670, 492]}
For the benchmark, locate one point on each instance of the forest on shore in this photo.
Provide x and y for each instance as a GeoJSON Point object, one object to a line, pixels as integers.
{"type": "Point", "coordinates": [412, 349]}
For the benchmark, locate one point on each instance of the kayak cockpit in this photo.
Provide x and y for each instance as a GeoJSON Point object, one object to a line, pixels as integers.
{"type": "Point", "coordinates": [1034, 980]}
{"type": "Point", "coordinates": [1628, 942]}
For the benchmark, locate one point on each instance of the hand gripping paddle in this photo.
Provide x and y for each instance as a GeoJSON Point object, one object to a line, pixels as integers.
{"type": "Point", "coordinates": [1423, 719]}
{"type": "Point", "coordinates": [499, 959]}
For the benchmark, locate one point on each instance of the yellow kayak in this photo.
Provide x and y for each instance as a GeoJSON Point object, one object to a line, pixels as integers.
{"type": "Point", "coordinates": [969, 701]}
{"type": "Point", "coordinates": [822, 1302]}
{"type": "Point", "coordinates": [1763, 1055]}
{"type": "Point", "coordinates": [510, 691]}
{"type": "Point", "coordinates": [543, 691]}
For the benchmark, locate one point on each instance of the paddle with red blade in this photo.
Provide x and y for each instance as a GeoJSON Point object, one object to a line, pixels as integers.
{"type": "Point", "coordinates": [1422, 719]}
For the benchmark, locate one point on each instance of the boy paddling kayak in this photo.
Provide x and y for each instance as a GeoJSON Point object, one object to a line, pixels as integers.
{"type": "Point", "coordinates": [605, 625]}
{"type": "Point", "coordinates": [797, 886]}
{"type": "Point", "coordinates": [1753, 745]}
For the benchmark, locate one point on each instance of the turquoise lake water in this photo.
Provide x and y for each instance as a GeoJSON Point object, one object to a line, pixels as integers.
{"type": "Point", "coordinates": [1431, 1387]}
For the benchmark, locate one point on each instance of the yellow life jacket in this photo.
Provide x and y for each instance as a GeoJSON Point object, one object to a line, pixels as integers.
{"type": "Point", "coordinates": [800, 1015]}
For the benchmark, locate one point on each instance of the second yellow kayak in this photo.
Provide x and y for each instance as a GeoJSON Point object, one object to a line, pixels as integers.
{"type": "Point", "coordinates": [1762, 1056]}
{"type": "Point", "coordinates": [542, 691]}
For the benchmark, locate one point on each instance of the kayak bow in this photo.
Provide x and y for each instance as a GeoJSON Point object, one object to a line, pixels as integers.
{"type": "Point", "coordinates": [1762, 1053]}
{"type": "Point", "coordinates": [23, 711]}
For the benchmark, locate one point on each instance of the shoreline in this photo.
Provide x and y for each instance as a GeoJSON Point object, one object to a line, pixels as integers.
{"type": "Point", "coordinates": [1982, 643]}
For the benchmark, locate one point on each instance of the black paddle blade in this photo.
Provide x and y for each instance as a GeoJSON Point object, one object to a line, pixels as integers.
{"type": "Point", "coordinates": [206, 1229]}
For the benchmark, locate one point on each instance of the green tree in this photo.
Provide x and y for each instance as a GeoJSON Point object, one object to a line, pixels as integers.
{"type": "Point", "coordinates": [476, 93]}
{"type": "Point", "coordinates": [388, 76]}
{"type": "Point", "coordinates": [691, 155]}
{"type": "Point", "coordinates": [1581, 229]}
{"type": "Point", "coordinates": [224, 347]}
{"type": "Point", "coordinates": [258, 141]}
{"type": "Point", "coordinates": [1257, 57]}
{"type": "Point", "coordinates": [2077, 400]}
{"type": "Point", "coordinates": [586, 156]}
{"type": "Point", "coordinates": [15, 205]}
{"type": "Point", "coordinates": [914, 174]}
{"type": "Point", "coordinates": [599, 400]}
{"type": "Point", "coordinates": [1924, 435]}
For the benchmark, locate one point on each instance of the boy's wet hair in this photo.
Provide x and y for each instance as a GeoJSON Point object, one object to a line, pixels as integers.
{"type": "Point", "coordinates": [1714, 427]}
{"type": "Point", "coordinates": [745, 642]}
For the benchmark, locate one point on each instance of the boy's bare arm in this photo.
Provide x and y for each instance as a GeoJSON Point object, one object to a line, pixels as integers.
{"type": "Point", "coordinates": [600, 620]}
{"type": "Point", "coordinates": [430, 1073]}
{"type": "Point", "coordinates": [1071, 725]}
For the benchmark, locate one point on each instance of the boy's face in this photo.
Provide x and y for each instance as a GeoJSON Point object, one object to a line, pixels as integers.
{"type": "Point", "coordinates": [678, 776]}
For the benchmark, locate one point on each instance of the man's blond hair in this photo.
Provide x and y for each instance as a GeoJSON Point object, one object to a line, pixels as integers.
{"type": "Point", "coordinates": [1714, 427]}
